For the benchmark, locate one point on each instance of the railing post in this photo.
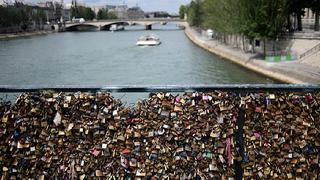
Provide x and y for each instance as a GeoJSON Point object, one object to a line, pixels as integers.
{"type": "Point", "coordinates": [240, 144]}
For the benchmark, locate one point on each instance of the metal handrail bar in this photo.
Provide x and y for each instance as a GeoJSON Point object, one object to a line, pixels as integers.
{"type": "Point", "coordinates": [164, 88]}
{"type": "Point", "coordinates": [311, 51]}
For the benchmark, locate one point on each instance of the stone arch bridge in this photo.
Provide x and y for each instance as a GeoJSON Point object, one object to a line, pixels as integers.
{"type": "Point", "coordinates": [105, 25]}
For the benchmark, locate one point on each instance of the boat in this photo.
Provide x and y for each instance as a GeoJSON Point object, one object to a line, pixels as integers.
{"type": "Point", "coordinates": [115, 27]}
{"type": "Point", "coordinates": [149, 40]}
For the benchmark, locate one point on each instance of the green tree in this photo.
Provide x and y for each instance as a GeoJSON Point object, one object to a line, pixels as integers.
{"type": "Point", "coordinates": [264, 19]}
{"type": "Point", "coordinates": [195, 14]}
{"type": "Point", "coordinates": [296, 8]}
{"type": "Point", "coordinates": [255, 19]}
{"type": "Point", "coordinates": [20, 15]}
{"type": "Point", "coordinates": [102, 14]}
{"type": "Point", "coordinates": [105, 14]}
{"type": "Point", "coordinates": [182, 11]}
{"type": "Point", "coordinates": [13, 15]}
{"type": "Point", "coordinates": [112, 15]}
{"type": "Point", "coordinates": [315, 7]}
{"type": "Point", "coordinates": [83, 12]}
{"type": "Point", "coordinates": [221, 15]}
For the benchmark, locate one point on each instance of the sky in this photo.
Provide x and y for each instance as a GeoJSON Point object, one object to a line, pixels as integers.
{"type": "Point", "coordinates": [171, 6]}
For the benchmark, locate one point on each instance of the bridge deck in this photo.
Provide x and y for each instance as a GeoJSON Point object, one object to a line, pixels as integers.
{"type": "Point", "coordinates": [144, 22]}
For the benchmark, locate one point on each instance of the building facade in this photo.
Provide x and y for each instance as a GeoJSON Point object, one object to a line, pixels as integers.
{"type": "Point", "coordinates": [135, 13]}
{"type": "Point", "coordinates": [121, 11]}
{"type": "Point", "coordinates": [66, 14]}
{"type": "Point", "coordinates": [110, 7]}
{"type": "Point", "coordinates": [54, 11]}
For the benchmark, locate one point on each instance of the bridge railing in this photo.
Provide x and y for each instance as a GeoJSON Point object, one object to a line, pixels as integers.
{"type": "Point", "coordinates": [240, 88]}
{"type": "Point", "coordinates": [164, 88]}
{"type": "Point", "coordinates": [311, 51]}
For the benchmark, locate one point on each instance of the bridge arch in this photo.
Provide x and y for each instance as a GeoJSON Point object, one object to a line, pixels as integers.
{"type": "Point", "coordinates": [108, 26]}
{"type": "Point", "coordinates": [81, 27]}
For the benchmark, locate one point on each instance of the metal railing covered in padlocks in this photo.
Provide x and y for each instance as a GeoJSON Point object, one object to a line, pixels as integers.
{"type": "Point", "coordinates": [209, 132]}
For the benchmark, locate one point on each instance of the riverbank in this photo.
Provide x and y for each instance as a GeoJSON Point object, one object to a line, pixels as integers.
{"type": "Point", "coordinates": [293, 72]}
{"type": "Point", "coordinates": [24, 34]}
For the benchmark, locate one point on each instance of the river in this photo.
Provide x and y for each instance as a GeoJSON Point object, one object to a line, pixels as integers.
{"type": "Point", "coordinates": [106, 58]}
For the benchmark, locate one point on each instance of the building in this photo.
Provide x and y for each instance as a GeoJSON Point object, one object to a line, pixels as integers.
{"type": "Point", "coordinates": [121, 11]}
{"type": "Point", "coordinates": [110, 7]}
{"type": "Point", "coordinates": [66, 15]}
{"type": "Point", "coordinates": [54, 10]}
{"type": "Point", "coordinates": [135, 13]}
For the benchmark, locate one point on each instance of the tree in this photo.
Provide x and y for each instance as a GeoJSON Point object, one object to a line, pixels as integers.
{"type": "Point", "coordinates": [112, 15]}
{"type": "Point", "coordinates": [102, 14]}
{"type": "Point", "coordinates": [221, 15]}
{"type": "Point", "coordinates": [195, 13]}
{"type": "Point", "coordinates": [89, 13]}
{"type": "Point", "coordinates": [315, 7]}
{"type": "Point", "coordinates": [20, 15]}
{"type": "Point", "coordinates": [182, 11]}
{"type": "Point", "coordinates": [105, 14]}
{"type": "Point", "coordinates": [296, 8]}
{"type": "Point", "coordinates": [258, 19]}
{"type": "Point", "coordinates": [264, 19]}
{"type": "Point", "coordinates": [14, 15]}
{"type": "Point", "coordinates": [83, 12]}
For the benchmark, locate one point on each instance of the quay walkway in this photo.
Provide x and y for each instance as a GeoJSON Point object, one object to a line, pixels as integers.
{"type": "Point", "coordinates": [294, 72]}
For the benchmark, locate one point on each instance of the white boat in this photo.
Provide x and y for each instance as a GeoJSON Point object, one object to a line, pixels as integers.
{"type": "Point", "coordinates": [149, 40]}
{"type": "Point", "coordinates": [115, 27]}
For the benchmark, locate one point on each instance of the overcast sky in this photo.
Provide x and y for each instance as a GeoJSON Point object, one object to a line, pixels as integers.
{"type": "Point", "coordinates": [171, 6]}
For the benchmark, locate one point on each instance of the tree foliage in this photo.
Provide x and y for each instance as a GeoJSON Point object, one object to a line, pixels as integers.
{"type": "Point", "coordinates": [315, 6]}
{"type": "Point", "coordinates": [105, 14]}
{"type": "Point", "coordinates": [83, 12]}
{"type": "Point", "coordinates": [264, 19]}
{"type": "Point", "coordinates": [102, 14]}
{"type": "Point", "coordinates": [20, 15]}
{"type": "Point", "coordinates": [182, 11]}
{"type": "Point", "coordinates": [112, 15]}
{"type": "Point", "coordinates": [195, 13]}
{"type": "Point", "coordinates": [221, 15]}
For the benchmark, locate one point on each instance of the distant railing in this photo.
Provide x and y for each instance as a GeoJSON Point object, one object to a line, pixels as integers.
{"type": "Point", "coordinates": [311, 51]}
{"type": "Point", "coordinates": [300, 35]}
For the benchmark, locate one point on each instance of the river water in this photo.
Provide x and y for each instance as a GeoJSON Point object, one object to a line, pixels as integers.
{"type": "Point", "coordinates": [106, 58]}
